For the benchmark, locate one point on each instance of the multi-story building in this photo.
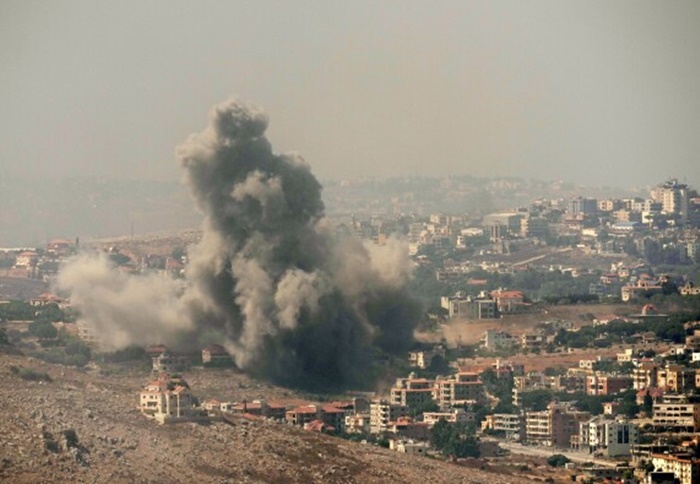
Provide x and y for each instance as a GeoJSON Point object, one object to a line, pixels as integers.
{"type": "Point", "coordinates": [645, 376]}
{"type": "Point", "coordinates": [494, 339]}
{"type": "Point", "coordinates": [685, 468]}
{"type": "Point", "coordinates": [512, 424]}
{"type": "Point", "coordinates": [87, 333]}
{"type": "Point", "coordinates": [571, 383]}
{"type": "Point", "coordinates": [534, 227]}
{"type": "Point", "coordinates": [358, 423]}
{"type": "Point", "coordinates": [538, 427]}
{"type": "Point", "coordinates": [481, 308]}
{"type": "Point", "coordinates": [674, 199]}
{"type": "Point", "coordinates": [459, 389]}
{"type": "Point", "coordinates": [381, 412]}
{"type": "Point", "coordinates": [607, 205]}
{"type": "Point", "coordinates": [611, 437]}
{"type": "Point", "coordinates": [676, 413]}
{"type": "Point", "coordinates": [302, 415]}
{"type": "Point", "coordinates": [607, 385]}
{"type": "Point", "coordinates": [580, 206]}
{"type": "Point", "coordinates": [455, 415]}
{"type": "Point", "coordinates": [169, 363]}
{"type": "Point", "coordinates": [168, 400]}
{"type": "Point", "coordinates": [500, 225]}
{"type": "Point", "coordinates": [423, 359]}
{"type": "Point", "coordinates": [554, 426]}
{"type": "Point", "coordinates": [328, 414]}
{"type": "Point", "coordinates": [469, 308]}
{"type": "Point", "coordinates": [677, 378]}
{"type": "Point", "coordinates": [508, 301]}
{"type": "Point", "coordinates": [532, 341]}
{"type": "Point", "coordinates": [412, 392]}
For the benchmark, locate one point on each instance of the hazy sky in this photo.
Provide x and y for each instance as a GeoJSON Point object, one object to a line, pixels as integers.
{"type": "Point", "coordinates": [597, 92]}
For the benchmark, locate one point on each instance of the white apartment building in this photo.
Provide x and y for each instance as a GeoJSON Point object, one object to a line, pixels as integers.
{"type": "Point", "coordinates": [611, 437]}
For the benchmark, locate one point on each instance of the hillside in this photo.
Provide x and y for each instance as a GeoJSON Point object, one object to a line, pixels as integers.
{"type": "Point", "coordinates": [462, 331]}
{"type": "Point", "coordinates": [83, 426]}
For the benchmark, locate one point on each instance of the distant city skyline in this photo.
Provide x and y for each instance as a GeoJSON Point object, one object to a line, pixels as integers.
{"type": "Point", "coordinates": [593, 93]}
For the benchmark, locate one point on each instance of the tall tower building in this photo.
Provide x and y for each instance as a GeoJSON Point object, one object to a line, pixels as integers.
{"type": "Point", "coordinates": [673, 197]}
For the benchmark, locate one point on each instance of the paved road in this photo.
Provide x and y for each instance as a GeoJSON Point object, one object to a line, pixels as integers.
{"type": "Point", "coordinates": [539, 257]}
{"type": "Point", "coordinates": [546, 452]}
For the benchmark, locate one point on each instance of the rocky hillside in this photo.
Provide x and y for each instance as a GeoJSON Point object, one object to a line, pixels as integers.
{"type": "Point", "coordinates": [83, 426]}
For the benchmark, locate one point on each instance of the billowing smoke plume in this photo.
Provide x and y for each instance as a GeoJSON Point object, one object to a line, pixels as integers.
{"type": "Point", "coordinates": [268, 279]}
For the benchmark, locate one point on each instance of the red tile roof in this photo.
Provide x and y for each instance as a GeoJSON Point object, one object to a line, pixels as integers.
{"type": "Point", "coordinates": [318, 426]}
{"type": "Point", "coordinates": [306, 409]}
{"type": "Point", "coordinates": [331, 409]}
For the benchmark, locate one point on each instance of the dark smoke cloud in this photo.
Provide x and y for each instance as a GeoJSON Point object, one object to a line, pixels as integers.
{"type": "Point", "coordinates": [268, 279]}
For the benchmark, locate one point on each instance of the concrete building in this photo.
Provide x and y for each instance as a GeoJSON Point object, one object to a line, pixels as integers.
{"type": "Point", "coordinates": [645, 375]}
{"type": "Point", "coordinates": [412, 392]}
{"type": "Point", "coordinates": [494, 340]}
{"type": "Point", "coordinates": [534, 227]}
{"type": "Point", "coordinates": [329, 415]}
{"type": "Point", "coordinates": [607, 205]}
{"type": "Point", "coordinates": [87, 333]}
{"type": "Point", "coordinates": [169, 363]}
{"type": "Point", "coordinates": [532, 342]}
{"type": "Point", "coordinates": [508, 301]}
{"type": "Point", "coordinates": [483, 309]}
{"type": "Point", "coordinates": [423, 358]}
{"type": "Point", "coordinates": [581, 206]}
{"type": "Point", "coordinates": [502, 225]}
{"type": "Point", "coordinates": [455, 415]}
{"type": "Point", "coordinates": [685, 468]}
{"type": "Point", "coordinates": [677, 378]}
{"type": "Point", "coordinates": [217, 356]}
{"type": "Point", "coordinates": [512, 424]}
{"type": "Point", "coordinates": [609, 437]}
{"type": "Point", "coordinates": [468, 307]}
{"type": "Point", "coordinates": [168, 400]}
{"type": "Point", "coordinates": [359, 423]}
{"type": "Point", "coordinates": [302, 415]}
{"type": "Point", "coordinates": [409, 447]}
{"type": "Point", "coordinates": [674, 199]}
{"type": "Point", "coordinates": [676, 413]}
{"type": "Point", "coordinates": [459, 389]}
{"type": "Point", "coordinates": [382, 412]}
{"type": "Point", "coordinates": [259, 407]}
{"type": "Point", "coordinates": [607, 385]}
{"type": "Point", "coordinates": [553, 427]}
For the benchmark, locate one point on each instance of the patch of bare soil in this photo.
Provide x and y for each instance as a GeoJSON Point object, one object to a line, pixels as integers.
{"type": "Point", "coordinates": [463, 331]}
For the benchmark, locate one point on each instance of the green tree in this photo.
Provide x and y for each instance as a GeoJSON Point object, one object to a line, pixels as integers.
{"type": "Point", "coordinates": [537, 400]}
{"type": "Point", "coordinates": [558, 460]}
{"type": "Point", "coordinates": [456, 440]}
{"type": "Point", "coordinates": [77, 347]}
{"type": "Point", "coordinates": [43, 329]}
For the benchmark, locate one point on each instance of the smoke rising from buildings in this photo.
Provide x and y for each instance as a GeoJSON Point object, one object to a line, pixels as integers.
{"type": "Point", "coordinates": [269, 279]}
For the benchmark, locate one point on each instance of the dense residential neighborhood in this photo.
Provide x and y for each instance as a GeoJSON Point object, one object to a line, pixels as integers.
{"type": "Point", "coordinates": [569, 327]}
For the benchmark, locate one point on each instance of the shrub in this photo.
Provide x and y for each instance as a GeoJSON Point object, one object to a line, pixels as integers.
{"type": "Point", "coordinates": [51, 446]}
{"type": "Point", "coordinates": [29, 374]}
{"type": "Point", "coordinates": [71, 437]}
{"type": "Point", "coordinates": [558, 460]}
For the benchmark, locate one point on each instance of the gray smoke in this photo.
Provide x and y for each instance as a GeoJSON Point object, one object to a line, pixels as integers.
{"type": "Point", "coordinates": [268, 279]}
